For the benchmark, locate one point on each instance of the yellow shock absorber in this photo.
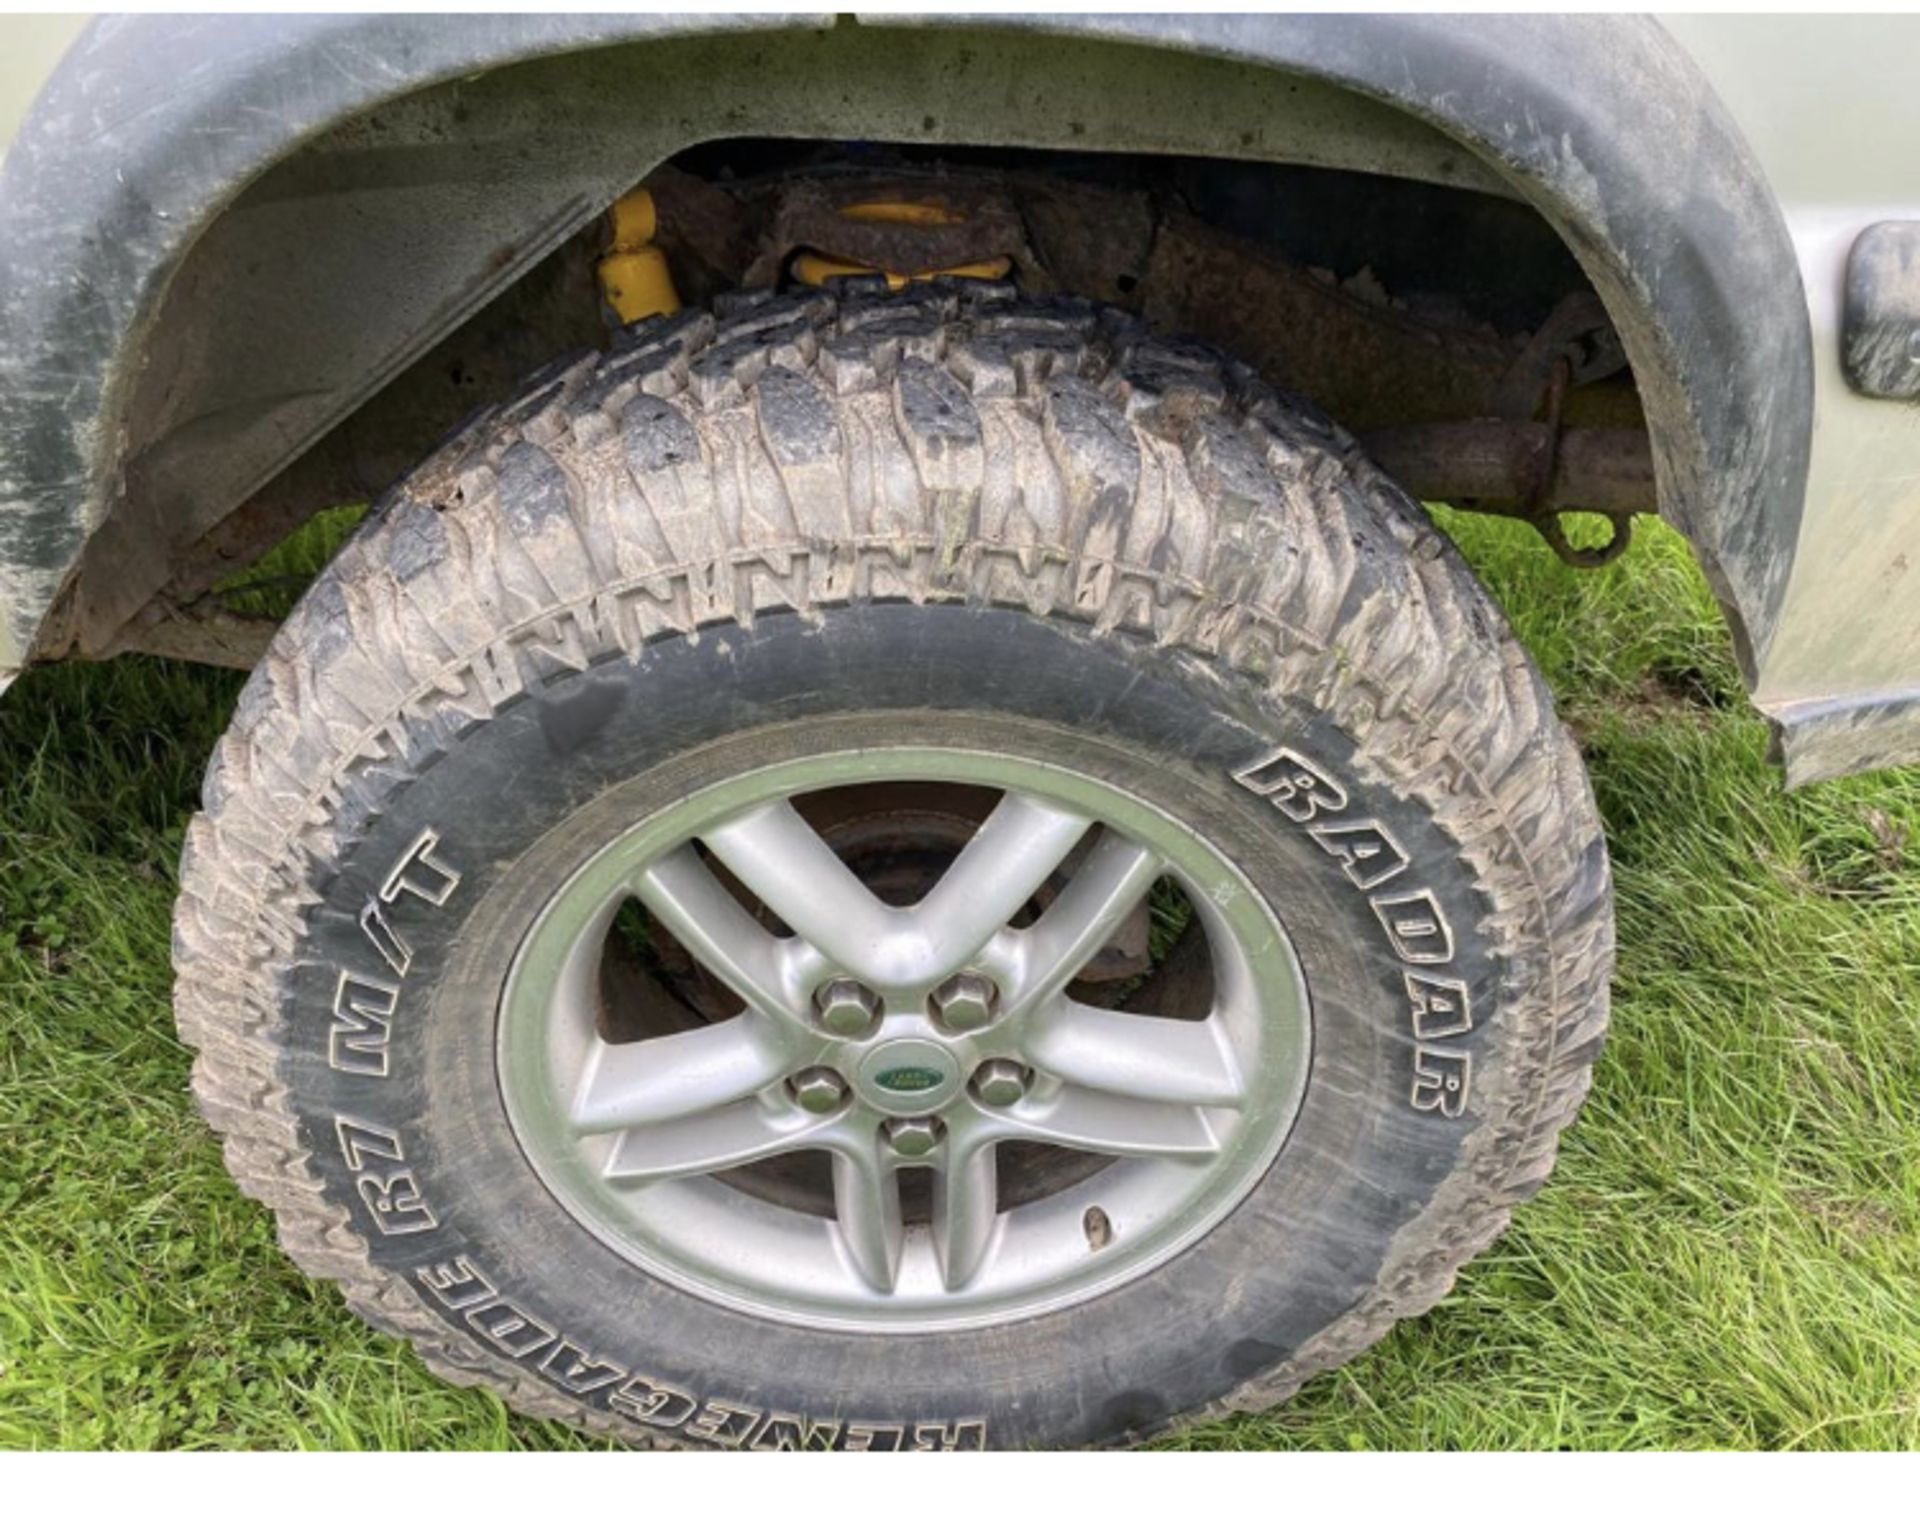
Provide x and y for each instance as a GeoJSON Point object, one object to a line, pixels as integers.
{"type": "Point", "coordinates": [634, 277]}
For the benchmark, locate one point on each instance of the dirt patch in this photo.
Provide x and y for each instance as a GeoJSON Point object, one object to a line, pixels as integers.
{"type": "Point", "coordinates": [1858, 1221]}
{"type": "Point", "coordinates": [1890, 839]}
{"type": "Point", "coordinates": [1667, 684]}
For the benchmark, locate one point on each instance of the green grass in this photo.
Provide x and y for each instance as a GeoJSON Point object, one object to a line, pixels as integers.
{"type": "Point", "coordinates": [1729, 1254]}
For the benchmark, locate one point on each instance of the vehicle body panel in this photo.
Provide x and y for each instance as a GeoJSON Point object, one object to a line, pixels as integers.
{"type": "Point", "coordinates": [35, 46]}
{"type": "Point", "coordinates": [1829, 105]}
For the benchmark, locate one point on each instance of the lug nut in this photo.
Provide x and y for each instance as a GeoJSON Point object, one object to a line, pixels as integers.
{"type": "Point", "coordinates": [965, 1001]}
{"type": "Point", "coordinates": [847, 1008]}
{"type": "Point", "coordinates": [914, 1136]}
{"type": "Point", "coordinates": [819, 1090]}
{"type": "Point", "coordinates": [999, 1082]}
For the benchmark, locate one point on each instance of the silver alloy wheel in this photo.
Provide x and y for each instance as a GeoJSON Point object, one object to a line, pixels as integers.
{"type": "Point", "coordinates": [636, 1137]}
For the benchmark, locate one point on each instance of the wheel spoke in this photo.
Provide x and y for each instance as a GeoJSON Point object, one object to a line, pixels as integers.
{"type": "Point", "coordinates": [708, 1142]}
{"type": "Point", "coordinates": [1006, 862]}
{"type": "Point", "coordinates": [784, 862]}
{"type": "Point", "coordinates": [1102, 893]}
{"type": "Point", "coordinates": [966, 1195]}
{"type": "Point", "coordinates": [1144, 1057]}
{"type": "Point", "coordinates": [866, 1203]}
{"type": "Point", "coordinates": [1110, 1124]}
{"type": "Point", "coordinates": [782, 859]}
{"type": "Point", "coordinates": [635, 1084]}
{"type": "Point", "coordinates": [681, 892]}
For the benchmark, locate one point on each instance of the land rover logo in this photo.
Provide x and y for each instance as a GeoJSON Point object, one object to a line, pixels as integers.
{"type": "Point", "coordinates": [910, 1079]}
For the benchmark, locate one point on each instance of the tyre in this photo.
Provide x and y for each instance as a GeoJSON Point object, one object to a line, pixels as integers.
{"type": "Point", "coordinates": [893, 873]}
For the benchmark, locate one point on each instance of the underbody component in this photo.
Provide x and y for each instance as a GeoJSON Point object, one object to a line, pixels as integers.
{"type": "Point", "coordinates": [1608, 472]}
{"type": "Point", "coordinates": [812, 269]}
{"type": "Point", "coordinates": [1350, 348]}
{"type": "Point", "coordinates": [907, 233]}
{"type": "Point", "coordinates": [634, 276]}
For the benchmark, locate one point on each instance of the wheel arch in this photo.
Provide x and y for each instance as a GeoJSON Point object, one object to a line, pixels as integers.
{"type": "Point", "coordinates": [145, 381]}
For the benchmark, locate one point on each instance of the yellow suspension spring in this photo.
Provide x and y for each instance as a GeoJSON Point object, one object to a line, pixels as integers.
{"type": "Point", "coordinates": [815, 268]}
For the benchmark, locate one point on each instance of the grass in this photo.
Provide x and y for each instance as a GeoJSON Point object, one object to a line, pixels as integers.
{"type": "Point", "coordinates": [1728, 1256]}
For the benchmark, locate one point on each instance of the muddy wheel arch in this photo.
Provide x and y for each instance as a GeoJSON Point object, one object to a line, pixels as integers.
{"type": "Point", "coordinates": [118, 195]}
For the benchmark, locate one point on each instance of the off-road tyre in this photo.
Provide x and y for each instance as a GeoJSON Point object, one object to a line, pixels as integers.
{"type": "Point", "coordinates": [796, 509]}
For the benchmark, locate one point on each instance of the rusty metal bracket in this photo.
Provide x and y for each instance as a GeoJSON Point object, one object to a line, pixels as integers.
{"type": "Point", "coordinates": [1575, 344]}
{"type": "Point", "coordinates": [1547, 524]}
{"type": "Point", "coordinates": [1577, 332]}
{"type": "Point", "coordinates": [1538, 510]}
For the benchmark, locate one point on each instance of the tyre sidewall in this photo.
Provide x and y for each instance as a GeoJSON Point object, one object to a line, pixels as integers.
{"type": "Point", "coordinates": [455, 853]}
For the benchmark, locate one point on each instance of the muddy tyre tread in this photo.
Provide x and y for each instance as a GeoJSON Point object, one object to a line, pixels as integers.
{"type": "Point", "coordinates": [957, 444]}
